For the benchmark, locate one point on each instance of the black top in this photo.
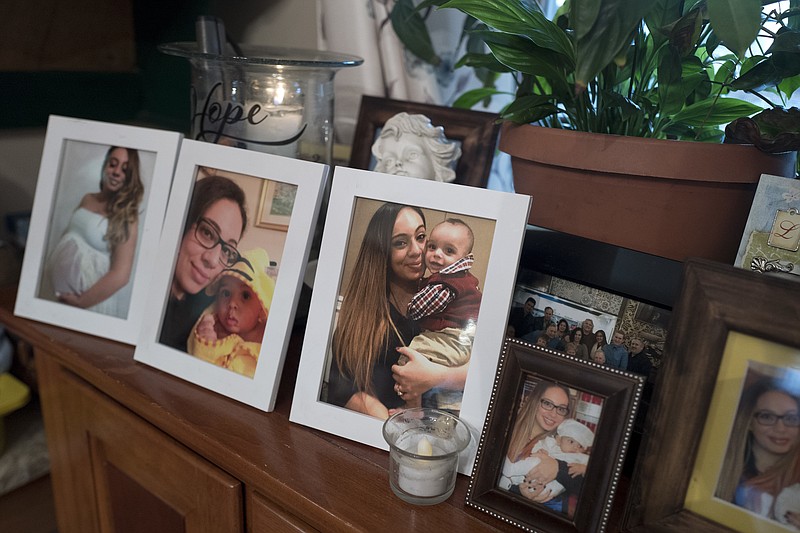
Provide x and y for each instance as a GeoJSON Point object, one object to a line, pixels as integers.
{"type": "Point", "coordinates": [342, 387]}
{"type": "Point", "coordinates": [180, 317]}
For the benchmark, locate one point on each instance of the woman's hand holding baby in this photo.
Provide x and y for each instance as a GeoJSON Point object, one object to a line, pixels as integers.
{"type": "Point", "coordinates": [205, 329]}
{"type": "Point", "coordinates": [417, 375]}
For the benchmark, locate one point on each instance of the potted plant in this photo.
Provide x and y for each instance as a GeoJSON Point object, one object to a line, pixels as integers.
{"type": "Point", "coordinates": [607, 81]}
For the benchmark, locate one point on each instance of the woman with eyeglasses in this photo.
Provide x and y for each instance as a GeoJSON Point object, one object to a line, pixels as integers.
{"type": "Point", "coordinates": [214, 226]}
{"type": "Point", "coordinates": [538, 418]}
{"type": "Point", "coordinates": [93, 260]}
{"type": "Point", "coordinates": [765, 435]}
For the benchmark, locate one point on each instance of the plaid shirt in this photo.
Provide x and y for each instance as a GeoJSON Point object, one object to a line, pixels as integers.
{"type": "Point", "coordinates": [435, 297]}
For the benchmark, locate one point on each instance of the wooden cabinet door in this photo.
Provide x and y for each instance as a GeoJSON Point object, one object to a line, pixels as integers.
{"type": "Point", "coordinates": [114, 472]}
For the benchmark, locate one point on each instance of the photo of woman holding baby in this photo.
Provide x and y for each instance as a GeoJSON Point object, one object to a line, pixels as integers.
{"type": "Point", "coordinates": [549, 449]}
{"type": "Point", "coordinates": [374, 367]}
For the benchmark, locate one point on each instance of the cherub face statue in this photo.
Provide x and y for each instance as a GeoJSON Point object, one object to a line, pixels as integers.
{"type": "Point", "coordinates": [406, 155]}
{"type": "Point", "coordinates": [409, 145]}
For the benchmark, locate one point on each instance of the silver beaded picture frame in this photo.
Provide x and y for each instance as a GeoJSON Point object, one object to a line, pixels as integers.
{"type": "Point", "coordinates": [598, 414]}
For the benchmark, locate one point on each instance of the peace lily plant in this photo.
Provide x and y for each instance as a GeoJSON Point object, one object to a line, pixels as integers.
{"type": "Point", "coordinates": [646, 68]}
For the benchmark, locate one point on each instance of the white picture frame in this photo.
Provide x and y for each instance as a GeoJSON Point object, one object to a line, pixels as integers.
{"type": "Point", "coordinates": [249, 169]}
{"type": "Point", "coordinates": [73, 158]}
{"type": "Point", "coordinates": [497, 259]}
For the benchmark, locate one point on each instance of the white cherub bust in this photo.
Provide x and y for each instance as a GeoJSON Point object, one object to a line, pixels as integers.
{"type": "Point", "coordinates": [409, 145]}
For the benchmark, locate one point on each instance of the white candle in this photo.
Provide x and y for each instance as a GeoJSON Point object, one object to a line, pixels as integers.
{"type": "Point", "coordinates": [279, 123]}
{"type": "Point", "coordinates": [425, 478]}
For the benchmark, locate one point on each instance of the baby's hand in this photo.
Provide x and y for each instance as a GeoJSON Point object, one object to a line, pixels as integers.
{"type": "Point", "coordinates": [205, 329]}
{"type": "Point", "coordinates": [577, 469]}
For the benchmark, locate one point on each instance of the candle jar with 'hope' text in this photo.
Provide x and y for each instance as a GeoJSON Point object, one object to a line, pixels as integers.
{"type": "Point", "coordinates": [272, 100]}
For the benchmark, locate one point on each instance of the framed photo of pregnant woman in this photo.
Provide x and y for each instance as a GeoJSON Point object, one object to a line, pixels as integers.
{"type": "Point", "coordinates": [554, 441]}
{"type": "Point", "coordinates": [417, 278]}
{"type": "Point", "coordinates": [224, 296]}
{"type": "Point", "coordinates": [95, 224]}
{"type": "Point", "coordinates": [723, 449]}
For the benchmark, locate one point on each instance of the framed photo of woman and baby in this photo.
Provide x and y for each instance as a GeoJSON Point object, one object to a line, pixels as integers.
{"type": "Point", "coordinates": [95, 224]}
{"type": "Point", "coordinates": [410, 307]}
{"type": "Point", "coordinates": [723, 449]}
{"type": "Point", "coordinates": [554, 442]}
{"type": "Point", "coordinates": [224, 298]}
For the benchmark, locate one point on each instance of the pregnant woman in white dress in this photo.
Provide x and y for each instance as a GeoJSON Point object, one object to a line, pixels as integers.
{"type": "Point", "coordinates": [93, 260]}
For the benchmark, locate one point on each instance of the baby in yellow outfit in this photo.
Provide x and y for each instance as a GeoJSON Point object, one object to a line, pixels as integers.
{"type": "Point", "coordinates": [230, 331]}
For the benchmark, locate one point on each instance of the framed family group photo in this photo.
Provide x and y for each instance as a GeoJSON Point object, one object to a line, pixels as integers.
{"type": "Point", "coordinates": [554, 441]}
{"type": "Point", "coordinates": [372, 338]}
{"type": "Point", "coordinates": [225, 293]}
{"type": "Point", "coordinates": [95, 225]}
{"type": "Point", "coordinates": [733, 460]}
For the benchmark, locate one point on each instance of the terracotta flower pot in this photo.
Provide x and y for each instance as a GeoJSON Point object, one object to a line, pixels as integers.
{"type": "Point", "coordinates": [673, 199]}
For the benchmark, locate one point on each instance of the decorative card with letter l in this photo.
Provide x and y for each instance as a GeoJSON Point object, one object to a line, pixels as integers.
{"type": "Point", "coordinates": [771, 239]}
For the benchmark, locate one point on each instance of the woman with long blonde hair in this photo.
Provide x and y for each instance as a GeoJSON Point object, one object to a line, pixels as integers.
{"type": "Point", "coordinates": [547, 406]}
{"type": "Point", "coordinates": [94, 258]}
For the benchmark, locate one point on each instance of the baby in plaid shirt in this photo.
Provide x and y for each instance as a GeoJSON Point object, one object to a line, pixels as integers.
{"type": "Point", "coordinates": [447, 306]}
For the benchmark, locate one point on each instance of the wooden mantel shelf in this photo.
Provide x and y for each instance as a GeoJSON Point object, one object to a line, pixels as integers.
{"type": "Point", "coordinates": [288, 477]}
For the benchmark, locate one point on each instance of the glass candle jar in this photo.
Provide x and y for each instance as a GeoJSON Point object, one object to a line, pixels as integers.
{"type": "Point", "coordinates": [423, 453]}
{"type": "Point", "coordinates": [274, 100]}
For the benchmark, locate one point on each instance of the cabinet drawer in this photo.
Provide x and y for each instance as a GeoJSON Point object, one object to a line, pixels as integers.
{"type": "Point", "coordinates": [265, 516]}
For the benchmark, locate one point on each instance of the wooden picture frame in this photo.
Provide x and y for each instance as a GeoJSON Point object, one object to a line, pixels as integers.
{"type": "Point", "coordinates": [273, 266]}
{"type": "Point", "coordinates": [726, 321]}
{"type": "Point", "coordinates": [476, 131]}
{"type": "Point", "coordinates": [499, 223]}
{"type": "Point", "coordinates": [604, 401]}
{"type": "Point", "coordinates": [76, 154]}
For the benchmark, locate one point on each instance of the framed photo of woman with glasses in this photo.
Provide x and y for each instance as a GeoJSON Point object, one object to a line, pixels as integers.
{"type": "Point", "coordinates": [554, 441]}
{"type": "Point", "coordinates": [229, 296]}
{"type": "Point", "coordinates": [725, 457]}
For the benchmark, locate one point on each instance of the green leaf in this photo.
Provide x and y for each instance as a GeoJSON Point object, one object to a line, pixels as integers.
{"type": "Point", "coordinates": [736, 22]}
{"type": "Point", "coordinates": [685, 31]}
{"type": "Point", "coordinates": [789, 85]}
{"type": "Point", "coordinates": [521, 55]}
{"type": "Point", "coordinates": [610, 31]}
{"type": "Point", "coordinates": [670, 91]}
{"type": "Point", "coordinates": [412, 32]}
{"type": "Point", "coordinates": [487, 61]}
{"type": "Point", "coordinates": [473, 97]}
{"type": "Point", "coordinates": [661, 16]}
{"type": "Point", "coordinates": [527, 109]}
{"type": "Point", "coordinates": [522, 17]}
{"type": "Point", "coordinates": [712, 112]}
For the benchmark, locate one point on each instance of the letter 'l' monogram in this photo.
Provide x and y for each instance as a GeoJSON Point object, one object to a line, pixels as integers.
{"type": "Point", "coordinates": [785, 232]}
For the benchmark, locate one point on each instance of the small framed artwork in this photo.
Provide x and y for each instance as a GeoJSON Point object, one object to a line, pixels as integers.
{"type": "Point", "coordinates": [418, 277]}
{"type": "Point", "coordinates": [771, 239]}
{"type": "Point", "coordinates": [95, 226]}
{"type": "Point", "coordinates": [224, 297]}
{"type": "Point", "coordinates": [473, 134]}
{"type": "Point", "coordinates": [725, 454]}
{"type": "Point", "coordinates": [554, 441]}
{"type": "Point", "coordinates": [275, 206]}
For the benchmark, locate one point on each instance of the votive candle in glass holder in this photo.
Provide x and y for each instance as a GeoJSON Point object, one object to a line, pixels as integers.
{"type": "Point", "coordinates": [424, 445]}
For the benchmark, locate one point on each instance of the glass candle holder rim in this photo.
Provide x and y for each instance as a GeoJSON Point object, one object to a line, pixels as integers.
{"type": "Point", "coordinates": [458, 423]}
{"type": "Point", "coordinates": [267, 55]}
